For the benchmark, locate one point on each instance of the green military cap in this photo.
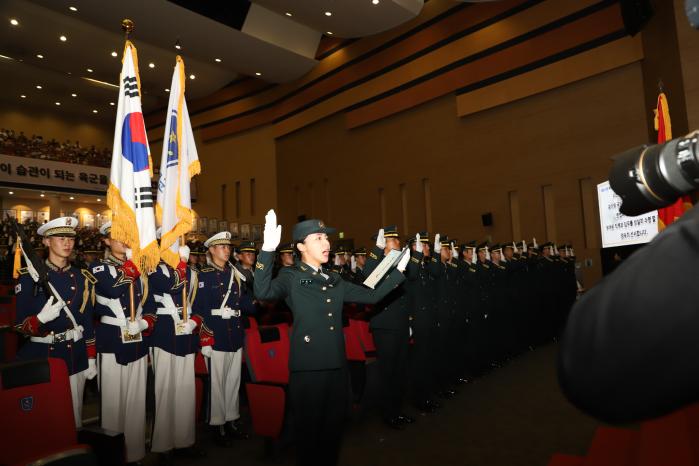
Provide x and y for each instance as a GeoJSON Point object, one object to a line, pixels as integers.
{"type": "Point", "coordinates": [247, 246]}
{"type": "Point", "coordinates": [286, 248]}
{"type": "Point", "coordinates": [446, 242]}
{"type": "Point", "coordinates": [547, 244]}
{"type": "Point", "coordinates": [340, 250]}
{"type": "Point", "coordinates": [390, 231]}
{"type": "Point", "coordinates": [497, 247]}
{"type": "Point", "coordinates": [469, 245]}
{"type": "Point", "coordinates": [309, 227]}
{"type": "Point", "coordinates": [360, 252]}
{"type": "Point", "coordinates": [424, 237]}
{"type": "Point", "coordinates": [483, 246]}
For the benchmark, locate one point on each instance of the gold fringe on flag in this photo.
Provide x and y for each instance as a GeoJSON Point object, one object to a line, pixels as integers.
{"type": "Point", "coordinates": [18, 260]}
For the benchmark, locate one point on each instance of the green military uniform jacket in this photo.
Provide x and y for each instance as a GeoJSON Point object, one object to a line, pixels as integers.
{"type": "Point", "coordinates": [317, 341]}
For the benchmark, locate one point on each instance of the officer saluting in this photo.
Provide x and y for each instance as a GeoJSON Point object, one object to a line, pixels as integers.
{"type": "Point", "coordinates": [122, 352]}
{"type": "Point", "coordinates": [59, 326]}
{"type": "Point", "coordinates": [220, 301]}
{"type": "Point", "coordinates": [318, 383]}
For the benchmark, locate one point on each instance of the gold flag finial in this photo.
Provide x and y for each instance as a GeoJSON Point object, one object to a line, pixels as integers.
{"type": "Point", "coordinates": [127, 26]}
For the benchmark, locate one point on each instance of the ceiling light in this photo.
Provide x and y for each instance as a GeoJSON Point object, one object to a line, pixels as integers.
{"type": "Point", "coordinates": [63, 38]}
{"type": "Point", "coordinates": [111, 103]}
{"type": "Point", "coordinates": [23, 96]}
{"type": "Point", "coordinates": [12, 192]}
{"type": "Point", "coordinates": [191, 76]}
{"type": "Point", "coordinates": [258, 74]}
{"type": "Point", "coordinates": [99, 200]}
{"type": "Point", "coordinates": [42, 194]}
{"type": "Point", "coordinates": [72, 8]}
{"type": "Point", "coordinates": [375, 2]}
{"type": "Point", "coordinates": [114, 54]}
{"type": "Point", "coordinates": [71, 198]}
{"type": "Point", "coordinates": [39, 87]}
{"type": "Point", "coordinates": [6, 57]}
{"type": "Point", "coordinates": [94, 111]}
{"type": "Point", "coordinates": [167, 90]}
{"type": "Point", "coordinates": [327, 13]}
{"type": "Point", "coordinates": [89, 70]}
{"type": "Point", "coordinates": [288, 14]}
{"type": "Point", "coordinates": [14, 22]}
{"type": "Point", "coordinates": [58, 104]}
{"type": "Point", "coordinates": [74, 95]}
{"type": "Point", "coordinates": [217, 60]}
{"type": "Point", "coordinates": [151, 65]}
{"type": "Point", "coordinates": [329, 33]}
{"type": "Point", "coordinates": [38, 55]}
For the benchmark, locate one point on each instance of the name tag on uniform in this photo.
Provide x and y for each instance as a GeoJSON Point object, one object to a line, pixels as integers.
{"type": "Point", "coordinates": [305, 281]}
{"type": "Point", "coordinates": [99, 268]}
{"type": "Point", "coordinates": [201, 284]}
{"type": "Point", "coordinates": [18, 288]}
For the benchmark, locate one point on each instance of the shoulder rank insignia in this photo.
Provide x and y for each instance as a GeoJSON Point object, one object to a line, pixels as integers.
{"type": "Point", "coordinates": [260, 265]}
{"type": "Point", "coordinates": [90, 278]}
{"type": "Point", "coordinates": [207, 269]}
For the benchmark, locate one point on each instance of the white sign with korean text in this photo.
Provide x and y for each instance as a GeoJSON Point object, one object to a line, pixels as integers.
{"type": "Point", "coordinates": [22, 171]}
{"type": "Point", "coordinates": [617, 228]}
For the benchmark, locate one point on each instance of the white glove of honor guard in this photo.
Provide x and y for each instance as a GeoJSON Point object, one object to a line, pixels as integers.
{"type": "Point", "coordinates": [184, 253]}
{"type": "Point", "coordinates": [189, 326]}
{"type": "Point", "coordinates": [437, 243]}
{"type": "Point", "coordinates": [137, 326]}
{"type": "Point", "coordinates": [380, 240]}
{"type": "Point", "coordinates": [273, 232]}
{"type": "Point", "coordinates": [353, 264]}
{"type": "Point", "coordinates": [50, 311]}
{"type": "Point", "coordinates": [403, 263]}
{"type": "Point", "coordinates": [91, 370]}
{"type": "Point", "coordinates": [337, 260]}
{"type": "Point", "coordinates": [454, 254]}
{"type": "Point", "coordinates": [418, 244]}
{"type": "Point", "coordinates": [206, 351]}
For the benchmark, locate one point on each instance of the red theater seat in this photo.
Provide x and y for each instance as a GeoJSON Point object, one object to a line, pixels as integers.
{"type": "Point", "coordinates": [365, 336]}
{"type": "Point", "coordinates": [267, 358]}
{"type": "Point", "coordinates": [37, 413]}
{"type": "Point", "coordinates": [354, 350]}
{"type": "Point", "coordinates": [559, 459]}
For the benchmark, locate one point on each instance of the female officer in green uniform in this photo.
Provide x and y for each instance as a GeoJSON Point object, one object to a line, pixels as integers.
{"type": "Point", "coordinates": [318, 383]}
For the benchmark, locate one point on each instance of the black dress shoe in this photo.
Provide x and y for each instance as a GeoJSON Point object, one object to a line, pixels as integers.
{"type": "Point", "coordinates": [192, 452]}
{"type": "Point", "coordinates": [235, 432]}
{"type": "Point", "coordinates": [405, 419]}
{"type": "Point", "coordinates": [220, 436]}
{"type": "Point", "coordinates": [395, 423]}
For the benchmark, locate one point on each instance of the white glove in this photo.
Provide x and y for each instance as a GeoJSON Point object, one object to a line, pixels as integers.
{"type": "Point", "coordinates": [273, 232]}
{"type": "Point", "coordinates": [380, 240]}
{"type": "Point", "coordinates": [353, 264]}
{"type": "Point", "coordinates": [337, 260]}
{"type": "Point", "coordinates": [524, 246]}
{"type": "Point", "coordinates": [206, 351]}
{"type": "Point", "coordinates": [50, 311]}
{"type": "Point", "coordinates": [91, 370]}
{"type": "Point", "coordinates": [32, 272]}
{"type": "Point", "coordinates": [184, 253]}
{"type": "Point", "coordinates": [189, 326]}
{"type": "Point", "coordinates": [137, 326]}
{"type": "Point", "coordinates": [403, 263]}
{"type": "Point", "coordinates": [418, 244]}
{"type": "Point", "coordinates": [437, 243]}
{"type": "Point", "coordinates": [454, 254]}
{"type": "Point", "coordinates": [129, 254]}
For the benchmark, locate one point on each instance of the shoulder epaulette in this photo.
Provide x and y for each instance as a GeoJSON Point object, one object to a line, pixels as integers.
{"type": "Point", "coordinates": [207, 269]}
{"type": "Point", "coordinates": [90, 278]}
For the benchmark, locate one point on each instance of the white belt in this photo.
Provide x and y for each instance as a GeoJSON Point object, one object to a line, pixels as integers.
{"type": "Point", "coordinates": [226, 312]}
{"type": "Point", "coordinates": [174, 312]}
{"type": "Point", "coordinates": [114, 305]}
{"type": "Point", "coordinates": [54, 337]}
{"type": "Point", "coordinates": [113, 321]}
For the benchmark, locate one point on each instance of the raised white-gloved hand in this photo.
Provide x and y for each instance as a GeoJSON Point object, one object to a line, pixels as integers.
{"type": "Point", "coordinates": [437, 243]}
{"type": "Point", "coordinates": [189, 326]}
{"type": "Point", "coordinates": [206, 351]}
{"type": "Point", "coordinates": [273, 232]}
{"type": "Point", "coordinates": [337, 260]}
{"type": "Point", "coordinates": [454, 254]}
{"type": "Point", "coordinates": [129, 254]}
{"type": "Point", "coordinates": [524, 246]}
{"type": "Point", "coordinates": [353, 264]}
{"type": "Point", "coordinates": [418, 244]}
{"type": "Point", "coordinates": [380, 240]}
{"type": "Point", "coordinates": [50, 311]}
{"type": "Point", "coordinates": [91, 370]}
{"type": "Point", "coordinates": [403, 263]}
{"type": "Point", "coordinates": [184, 253]}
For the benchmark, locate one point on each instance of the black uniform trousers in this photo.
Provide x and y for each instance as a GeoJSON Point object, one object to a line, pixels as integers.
{"type": "Point", "coordinates": [319, 405]}
{"type": "Point", "coordinates": [392, 355]}
{"type": "Point", "coordinates": [422, 353]}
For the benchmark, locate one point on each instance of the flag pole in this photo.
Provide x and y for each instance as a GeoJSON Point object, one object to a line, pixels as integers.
{"type": "Point", "coordinates": [184, 288]}
{"type": "Point", "coordinates": [128, 26]}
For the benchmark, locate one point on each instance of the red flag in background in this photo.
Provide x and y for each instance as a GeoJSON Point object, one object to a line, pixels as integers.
{"type": "Point", "coordinates": [668, 214]}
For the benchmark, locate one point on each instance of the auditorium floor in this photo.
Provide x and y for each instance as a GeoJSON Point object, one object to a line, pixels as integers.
{"type": "Point", "coordinates": [513, 416]}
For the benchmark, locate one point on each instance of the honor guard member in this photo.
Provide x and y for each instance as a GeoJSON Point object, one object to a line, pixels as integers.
{"type": "Point", "coordinates": [318, 383]}
{"type": "Point", "coordinates": [173, 348]}
{"type": "Point", "coordinates": [193, 261]}
{"type": "Point", "coordinates": [221, 302]}
{"type": "Point", "coordinates": [60, 325]}
{"type": "Point", "coordinates": [390, 326]}
{"type": "Point", "coordinates": [122, 350]}
{"type": "Point", "coordinates": [247, 256]}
